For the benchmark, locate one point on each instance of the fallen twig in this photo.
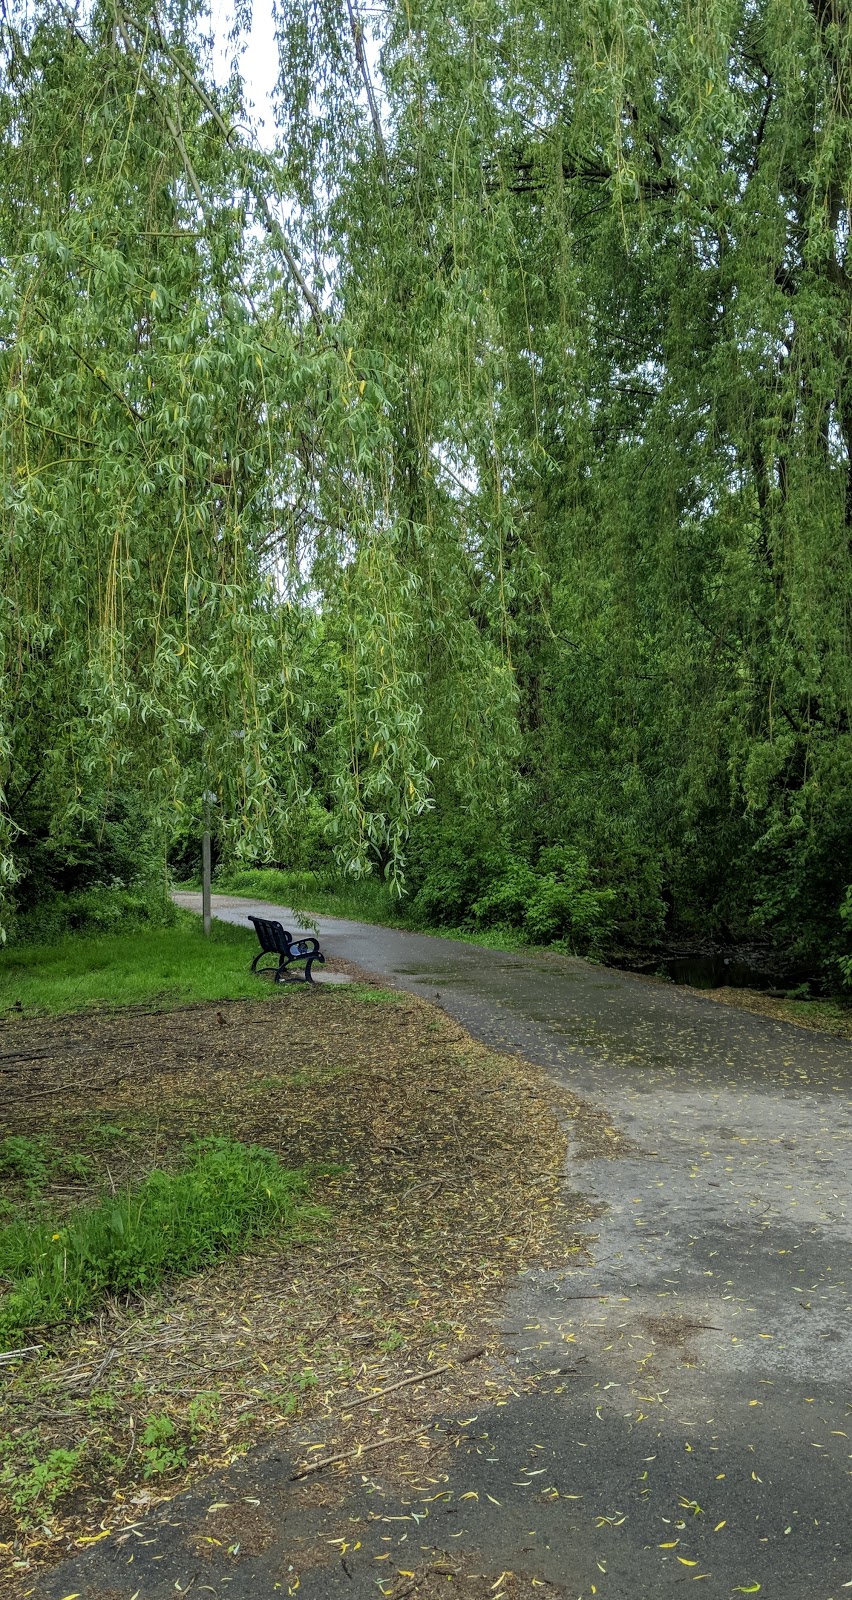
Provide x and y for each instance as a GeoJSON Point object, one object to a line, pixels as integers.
{"type": "Point", "coordinates": [18, 1355]}
{"type": "Point", "coordinates": [360, 1450]}
{"type": "Point", "coordinates": [416, 1377]}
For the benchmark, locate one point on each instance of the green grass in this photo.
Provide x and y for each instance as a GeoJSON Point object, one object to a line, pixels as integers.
{"type": "Point", "coordinates": [365, 899]}
{"type": "Point", "coordinates": [167, 965]}
{"type": "Point", "coordinates": [171, 1224]}
{"type": "Point", "coordinates": [360, 899]}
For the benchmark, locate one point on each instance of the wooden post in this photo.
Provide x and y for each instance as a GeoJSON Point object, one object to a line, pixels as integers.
{"type": "Point", "coordinates": [205, 869]}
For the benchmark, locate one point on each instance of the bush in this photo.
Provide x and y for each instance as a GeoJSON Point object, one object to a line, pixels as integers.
{"type": "Point", "coordinates": [101, 909]}
{"type": "Point", "coordinates": [844, 962]}
{"type": "Point", "coordinates": [555, 900]}
{"type": "Point", "coordinates": [173, 1223]}
{"type": "Point", "coordinates": [466, 879]}
{"type": "Point", "coordinates": [448, 869]}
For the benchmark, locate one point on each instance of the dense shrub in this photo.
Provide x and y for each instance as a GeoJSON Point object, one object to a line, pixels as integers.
{"type": "Point", "coordinates": [554, 896]}
{"type": "Point", "coordinates": [555, 900]}
{"type": "Point", "coordinates": [100, 909]}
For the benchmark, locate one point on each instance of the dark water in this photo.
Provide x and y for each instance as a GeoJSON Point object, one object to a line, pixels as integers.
{"type": "Point", "coordinates": [715, 970]}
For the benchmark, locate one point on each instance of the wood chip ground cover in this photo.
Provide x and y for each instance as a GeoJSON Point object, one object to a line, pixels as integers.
{"type": "Point", "coordinates": [450, 1178]}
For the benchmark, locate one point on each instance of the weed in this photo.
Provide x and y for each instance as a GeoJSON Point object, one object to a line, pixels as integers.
{"type": "Point", "coordinates": [392, 1341]}
{"type": "Point", "coordinates": [172, 1223]}
{"type": "Point", "coordinates": [203, 1412]}
{"type": "Point", "coordinates": [109, 1133]}
{"type": "Point", "coordinates": [30, 1160]}
{"type": "Point", "coordinates": [160, 1447]}
{"type": "Point", "coordinates": [75, 1165]}
{"type": "Point", "coordinates": [289, 1400]}
{"type": "Point", "coordinates": [33, 1494]}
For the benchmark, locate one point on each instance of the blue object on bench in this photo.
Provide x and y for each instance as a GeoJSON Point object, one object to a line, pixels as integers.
{"type": "Point", "coordinates": [275, 941]}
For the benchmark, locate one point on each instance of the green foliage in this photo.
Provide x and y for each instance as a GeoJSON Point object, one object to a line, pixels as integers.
{"type": "Point", "coordinates": [845, 961]}
{"type": "Point", "coordinates": [172, 1224]}
{"type": "Point", "coordinates": [28, 1159]}
{"type": "Point", "coordinates": [471, 882]}
{"type": "Point", "coordinates": [556, 900]}
{"type": "Point", "coordinates": [33, 1492]}
{"type": "Point", "coordinates": [503, 500]}
{"type": "Point", "coordinates": [93, 911]}
{"type": "Point", "coordinates": [161, 1448]}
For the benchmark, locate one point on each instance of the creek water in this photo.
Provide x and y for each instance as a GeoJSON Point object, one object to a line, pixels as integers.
{"type": "Point", "coordinates": [718, 969]}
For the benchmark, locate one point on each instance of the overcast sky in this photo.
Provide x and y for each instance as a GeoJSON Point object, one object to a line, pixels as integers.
{"type": "Point", "coordinates": [259, 61]}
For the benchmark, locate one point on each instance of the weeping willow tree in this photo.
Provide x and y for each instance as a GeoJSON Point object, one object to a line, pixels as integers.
{"type": "Point", "coordinates": [478, 459]}
{"type": "Point", "coordinates": [605, 250]}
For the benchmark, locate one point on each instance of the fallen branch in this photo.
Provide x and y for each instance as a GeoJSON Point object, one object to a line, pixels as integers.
{"type": "Point", "coordinates": [18, 1355]}
{"type": "Point", "coordinates": [416, 1377]}
{"type": "Point", "coordinates": [360, 1450]}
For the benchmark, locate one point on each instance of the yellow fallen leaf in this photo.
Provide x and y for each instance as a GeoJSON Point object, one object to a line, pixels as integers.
{"type": "Point", "coordinates": [722, 1524]}
{"type": "Point", "coordinates": [685, 1563]}
{"type": "Point", "coordinates": [93, 1538]}
{"type": "Point", "coordinates": [670, 1544]}
{"type": "Point", "coordinates": [751, 1588]}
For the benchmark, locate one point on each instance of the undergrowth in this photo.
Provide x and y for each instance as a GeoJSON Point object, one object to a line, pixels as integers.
{"type": "Point", "coordinates": [171, 1224]}
{"type": "Point", "coordinates": [365, 899]}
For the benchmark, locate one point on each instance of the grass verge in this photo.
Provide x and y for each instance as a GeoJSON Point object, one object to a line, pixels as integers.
{"type": "Point", "coordinates": [360, 899]}
{"type": "Point", "coordinates": [168, 965]}
{"type": "Point", "coordinates": [170, 1225]}
{"type": "Point", "coordinates": [363, 899]}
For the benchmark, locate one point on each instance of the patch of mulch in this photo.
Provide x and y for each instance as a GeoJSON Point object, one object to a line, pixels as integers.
{"type": "Point", "coordinates": [449, 1179]}
{"type": "Point", "coordinates": [833, 1017]}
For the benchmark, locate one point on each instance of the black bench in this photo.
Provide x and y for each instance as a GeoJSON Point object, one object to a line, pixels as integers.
{"type": "Point", "coordinates": [287, 952]}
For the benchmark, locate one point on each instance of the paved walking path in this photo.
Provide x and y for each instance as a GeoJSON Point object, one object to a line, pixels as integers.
{"type": "Point", "coordinates": [706, 1432]}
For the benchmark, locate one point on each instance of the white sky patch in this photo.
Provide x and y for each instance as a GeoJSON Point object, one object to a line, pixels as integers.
{"type": "Point", "coordinates": [258, 58]}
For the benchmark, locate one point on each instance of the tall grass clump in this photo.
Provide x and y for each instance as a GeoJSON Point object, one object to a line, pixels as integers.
{"type": "Point", "coordinates": [170, 1225]}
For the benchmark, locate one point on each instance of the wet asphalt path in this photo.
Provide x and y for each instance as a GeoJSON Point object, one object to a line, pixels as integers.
{"type": "Point", "coordinates": [704, 1433]}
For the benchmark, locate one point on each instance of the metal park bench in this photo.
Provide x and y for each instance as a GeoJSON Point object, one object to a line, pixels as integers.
{"type": "Point", "coordinates": [286, 951]}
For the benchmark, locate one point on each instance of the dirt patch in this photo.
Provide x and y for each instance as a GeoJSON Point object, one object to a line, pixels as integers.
{"type": "Point", "coordinates": [595, 1136]}
{"type": "Point", "coordinates": [672, 1332]}
{"type": "Point", "coordinates": [821, 1016]}
{"type": "Point", "coordinates": [449, 1177]}
{"type": "Point", "coordinates": [239, 1529]}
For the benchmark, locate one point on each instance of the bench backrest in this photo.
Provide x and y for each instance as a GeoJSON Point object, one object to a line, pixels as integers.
{"type": "Point", "coordinates": [272, 936]}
